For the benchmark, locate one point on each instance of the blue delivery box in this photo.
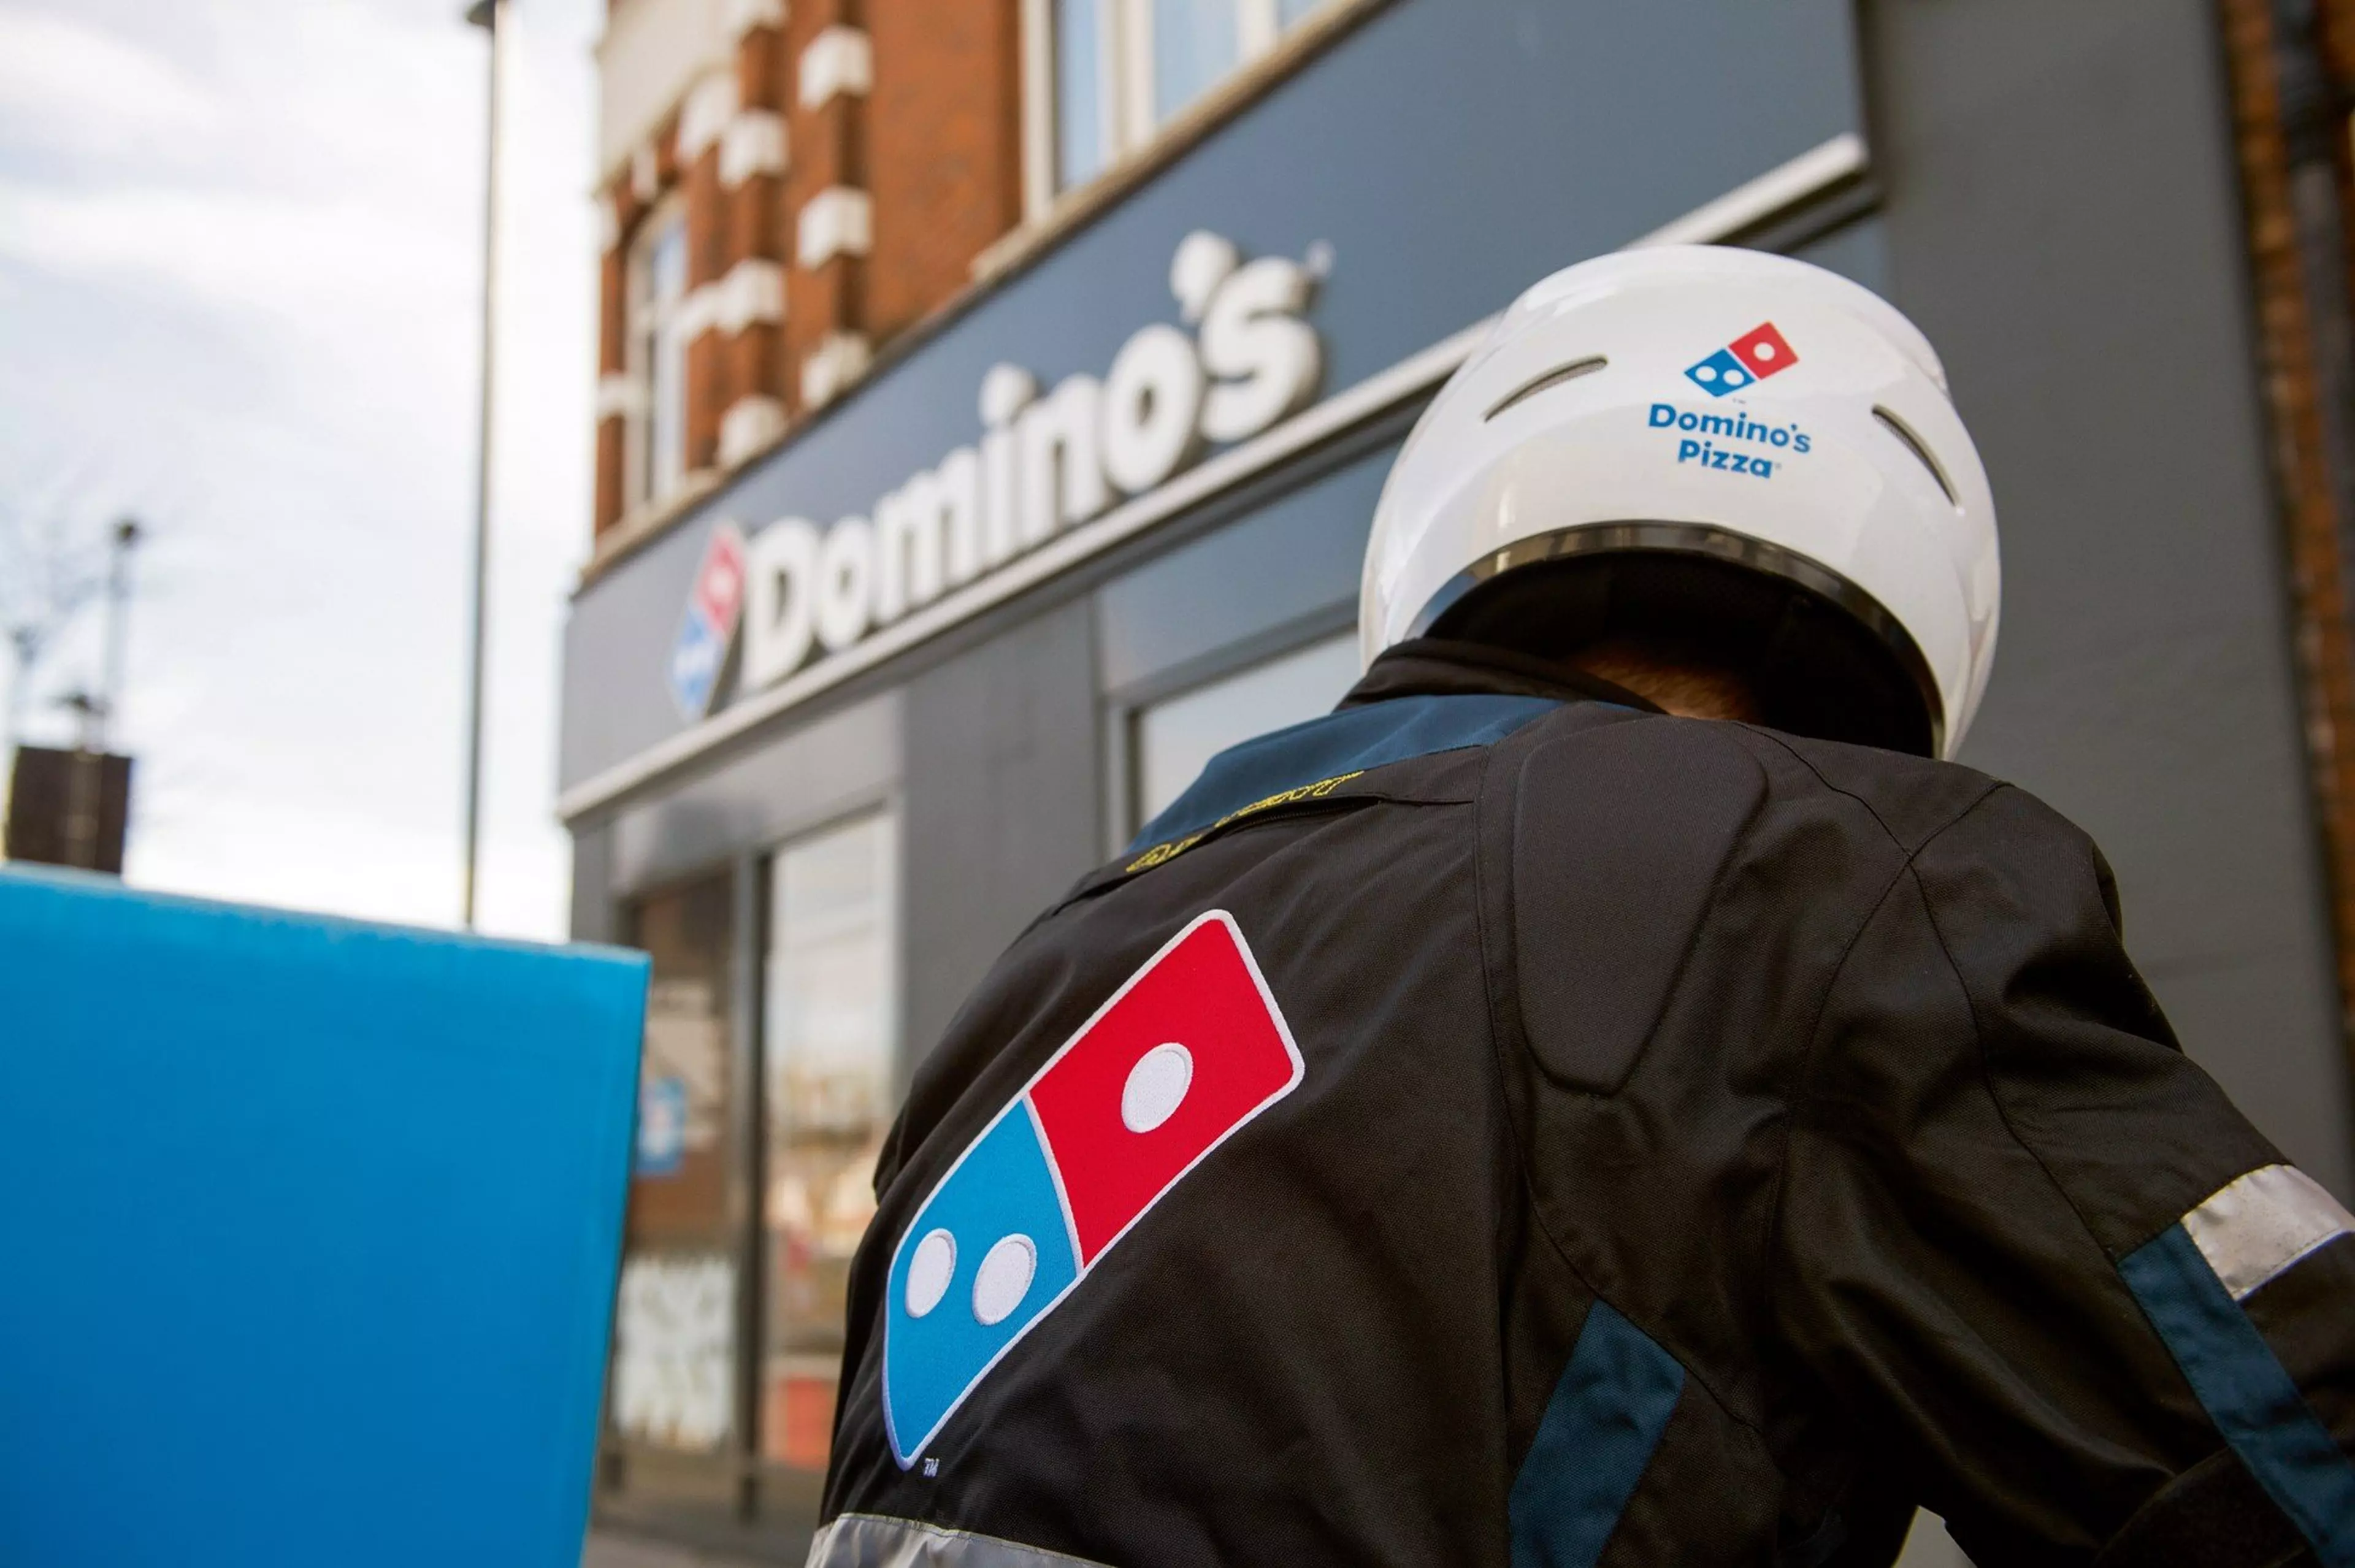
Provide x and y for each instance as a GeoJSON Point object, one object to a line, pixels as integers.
{"type": "Point", "coordinates": [308, 1234]}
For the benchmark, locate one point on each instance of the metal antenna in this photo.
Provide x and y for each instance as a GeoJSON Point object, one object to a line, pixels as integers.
{"type": "Point", "coordinates": [127, 533]}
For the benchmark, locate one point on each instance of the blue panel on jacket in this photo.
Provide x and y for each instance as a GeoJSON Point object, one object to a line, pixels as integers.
{"type": "Point", "coordinates": [310, 1231]}
{"type": "Point", "coordinates": [1351, 741]}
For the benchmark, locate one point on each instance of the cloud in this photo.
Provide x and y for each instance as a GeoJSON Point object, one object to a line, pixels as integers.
{"type": "Point", "coordinates": [65, 85]}
{"type": "Point", "coordinates": [252, 305]}
{"type": "Point", "coordinates": [282, 257]}
{"type": "Point", "coordinates": [347, 862]}
{"type": "Point", "coordinates": [310, 160]}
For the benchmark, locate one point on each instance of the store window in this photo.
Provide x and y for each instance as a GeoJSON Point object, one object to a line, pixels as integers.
{"type": "Point", "coordinates": [674, 1338]}
{"type": "Point", "coordinates": [659, 349]}
{"type": "Point", "coordinates": [1124, 69]}
{"type": "Point", "coordinates": [830, 1034]}
{"type": "Point", "coordinates": [1173, 739]}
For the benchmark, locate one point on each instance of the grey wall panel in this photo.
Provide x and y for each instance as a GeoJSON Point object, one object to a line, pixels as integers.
{"type": "Point", "coordinates": [616, 699]}
{"type": "Point", "coordinates": [592, 880]}
{"type": "Point", "coordinates": [1285, 564]}
{"type": "Point", "coordinates": [2062, 221]}
{"type": "Point", "coordinates": [1003, 804]}
{"type": "Point", "coordinates": [1859, 250]}
{"type": "Point", "coordinates": [1450, 152]}
{"type": "Point", "coordinates": [790, 783]}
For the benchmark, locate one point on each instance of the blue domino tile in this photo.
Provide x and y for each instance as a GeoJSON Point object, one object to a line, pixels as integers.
{"type": "Point", "coordinates": [694, 663]}
{"type": "Point", "coordinates": [1720, 373]}
{"type": "Point", "coordinates": [1001, 1189]}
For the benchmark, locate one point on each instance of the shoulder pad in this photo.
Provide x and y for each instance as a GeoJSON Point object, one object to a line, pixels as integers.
{"type": "Point", "coordinates": [1619, 833]}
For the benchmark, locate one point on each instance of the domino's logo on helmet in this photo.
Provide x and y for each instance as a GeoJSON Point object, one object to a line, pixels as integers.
{"type": "Point", "coordinates": [1548, 442]}
{"type": "Point", "coordinates": [1755, 354]}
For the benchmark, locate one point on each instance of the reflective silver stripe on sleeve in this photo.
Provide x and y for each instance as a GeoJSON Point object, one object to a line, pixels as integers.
{"type": "Point", "coordinates": [874, 1540]}
{"type": "Point", "coordinates": [2253, 1229]}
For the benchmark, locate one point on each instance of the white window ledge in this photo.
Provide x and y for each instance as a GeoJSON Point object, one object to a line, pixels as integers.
{"type": "Point", "coordinates": [834, 367]}
{"type": "Point", "coordinates": [753, 143]}
{"type": "Point", "coordinates": [838, 61]}
{"type": "Point", "coordinates": [704, 117]}
{"type": "Point", "coordinates": [836, 221]}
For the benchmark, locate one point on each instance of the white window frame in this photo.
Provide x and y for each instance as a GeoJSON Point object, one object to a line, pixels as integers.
{"type": "Point", "coordinates": [640, 483]}
{"type": "Point", "coordinates": [1124, 82]}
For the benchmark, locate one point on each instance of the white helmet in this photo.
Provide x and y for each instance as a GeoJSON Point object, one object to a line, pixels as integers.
{"type": "Point", "coordinates": [1702, 440]}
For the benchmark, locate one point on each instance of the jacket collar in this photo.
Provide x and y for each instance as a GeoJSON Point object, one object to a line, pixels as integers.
{"type": "Point", "coordinates": [1438, 667]}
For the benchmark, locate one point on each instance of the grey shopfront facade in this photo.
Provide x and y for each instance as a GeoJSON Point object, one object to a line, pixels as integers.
{"type": "Point", "coordinates": [2049, 191]}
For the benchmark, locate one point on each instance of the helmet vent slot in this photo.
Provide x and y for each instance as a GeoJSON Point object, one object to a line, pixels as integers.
{"type": "Point", "coordinates": [1919, 448]}
{"type": "Point", "coordinates": [1555, 378]}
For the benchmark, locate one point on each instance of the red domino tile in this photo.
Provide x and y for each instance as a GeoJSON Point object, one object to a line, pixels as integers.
{"type": "Point", "coordinates": [1764, 351]}
{"type": "Point", "coordinates": [1201, 993]}
{"type": "Point", "coordinates": [720, 584]}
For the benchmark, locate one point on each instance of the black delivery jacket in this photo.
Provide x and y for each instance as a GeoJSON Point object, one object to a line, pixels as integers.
{"type": "Point", "coordinates": [1498, 1122]}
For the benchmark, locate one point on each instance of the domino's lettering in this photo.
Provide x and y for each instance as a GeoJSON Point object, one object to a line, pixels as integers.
{"type": "Point", "coordinates": [1188, 1050]}
{"type": "Point", "coordinates": [1740, 427]}
{"type": "Point", "coordinates": [1710, 456]}
{"type": "Point", "coordinates": [1702, 433]}
{"type": "Point", "coordinates": [1048, 460]}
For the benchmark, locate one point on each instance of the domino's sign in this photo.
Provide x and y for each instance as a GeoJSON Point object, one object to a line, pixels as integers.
{"type": "Point", "coordinates": [1184, 1055]}
{"type": "Point", "coordinates": [1045, 462]}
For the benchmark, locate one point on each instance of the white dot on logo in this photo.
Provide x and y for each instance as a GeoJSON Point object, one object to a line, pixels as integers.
{"type": "Point", "coordinates": [1707, 372]}
{"type": "Point", "coordinates": [929, 1270]}
{"type": "Point", "coordinates": [1002, 1279]}
{"type": "Point", "coordinates": [1157, 1086]}
{"type": "Point", "coordinates": [1762, 351]}
{"type": "Point", "coordinates": [1735, 378]}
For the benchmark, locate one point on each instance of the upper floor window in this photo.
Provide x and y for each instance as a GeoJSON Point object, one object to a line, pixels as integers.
{"type": "Point", "coordinates": [1124, 69]}
{"type": "Point", "coordinates": [659, 355]}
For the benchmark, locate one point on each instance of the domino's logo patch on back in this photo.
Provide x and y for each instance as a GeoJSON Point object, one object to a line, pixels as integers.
{"type": "Point", "coordinates": [1189, 1049]}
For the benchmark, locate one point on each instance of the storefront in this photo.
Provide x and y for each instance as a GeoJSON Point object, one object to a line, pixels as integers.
{"type": "Point", "coordinates": [833, 737]}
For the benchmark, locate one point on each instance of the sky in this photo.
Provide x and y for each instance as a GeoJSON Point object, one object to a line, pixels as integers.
{"type": "Point", "coordinates": [240, 261]}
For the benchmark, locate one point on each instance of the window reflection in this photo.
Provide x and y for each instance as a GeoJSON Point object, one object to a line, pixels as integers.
{"type": "Point", "coordinates": [828, 1043]}
{"type": "Point", "coordinates": [1175, 737]}
{"type": "Point", "coordinates": [1080, 70]}
{"type": "Point", "coordinates": [663, 350]}
{"type": "Point", "coordinates": [674, 1329]}
{"type": "Point", "coordinates": [1124, 69]}
{"type": "Point", "coordinates": [1195, 44]}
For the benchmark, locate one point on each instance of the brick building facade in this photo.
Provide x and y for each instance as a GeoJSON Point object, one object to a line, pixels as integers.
{"type": "Point", "coordinates": [828, 172]}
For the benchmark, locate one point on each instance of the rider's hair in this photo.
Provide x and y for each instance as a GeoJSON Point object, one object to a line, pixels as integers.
{"type": "Point", "coordinates": [1813, 668]}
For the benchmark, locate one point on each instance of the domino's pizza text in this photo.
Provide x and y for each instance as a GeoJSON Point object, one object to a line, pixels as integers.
{"type": "Point", "coordinates": [1701, 434]}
